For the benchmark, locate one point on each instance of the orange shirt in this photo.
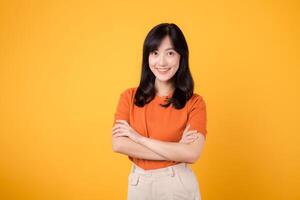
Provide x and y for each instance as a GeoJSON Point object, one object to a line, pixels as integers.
{"type": "Point", "coordinates": [156, 122]}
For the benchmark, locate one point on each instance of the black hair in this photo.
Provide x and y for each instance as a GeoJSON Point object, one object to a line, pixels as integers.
{"type": "Point", "coordinates": [182, 79]}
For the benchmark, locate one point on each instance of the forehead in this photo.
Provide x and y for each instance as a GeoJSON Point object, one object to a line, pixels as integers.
{"type": "Point", "coordinates": [166, 44]}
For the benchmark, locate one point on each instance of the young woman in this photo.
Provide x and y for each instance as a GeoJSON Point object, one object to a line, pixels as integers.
{"type": "Point", "coordinates": [161, 124]}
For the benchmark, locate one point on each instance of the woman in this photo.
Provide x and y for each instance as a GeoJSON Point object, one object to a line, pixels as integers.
{"type": "Point", "coordinates": [161, 124]}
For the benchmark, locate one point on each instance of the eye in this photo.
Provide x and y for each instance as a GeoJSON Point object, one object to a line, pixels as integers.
{"type": "Point", "coordinates": [154, 53]}
{"type": "Point", "coordinates": [171, 53]}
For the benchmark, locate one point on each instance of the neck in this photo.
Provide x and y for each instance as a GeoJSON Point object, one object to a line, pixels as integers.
{"type": "Point", "coordinates": [163, 88]}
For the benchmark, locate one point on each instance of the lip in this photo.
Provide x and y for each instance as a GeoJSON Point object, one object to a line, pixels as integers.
{"type": "Point", "coordinates": [163, 69]}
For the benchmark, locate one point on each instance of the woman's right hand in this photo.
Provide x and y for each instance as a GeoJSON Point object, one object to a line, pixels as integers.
{"type": "Point", "coordinates": [188, 136]}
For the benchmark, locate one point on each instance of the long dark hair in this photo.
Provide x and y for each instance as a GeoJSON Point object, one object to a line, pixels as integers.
{"type": "Point", "coordinates": [182, 79]}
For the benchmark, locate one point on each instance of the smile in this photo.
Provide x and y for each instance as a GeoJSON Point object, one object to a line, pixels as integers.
{"type": "Point", "coordinates": [163, 69]}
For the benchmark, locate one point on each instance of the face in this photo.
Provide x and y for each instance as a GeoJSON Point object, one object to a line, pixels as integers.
{"type": "Point", "coordinates": [164, 62]}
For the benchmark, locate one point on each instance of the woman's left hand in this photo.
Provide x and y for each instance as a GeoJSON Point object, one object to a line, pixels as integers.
{"type": "Point", "coordinates": [122, 128]}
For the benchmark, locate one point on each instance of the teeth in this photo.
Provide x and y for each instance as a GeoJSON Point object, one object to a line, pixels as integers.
{"type": "Point", "coordinates": [163, 70]}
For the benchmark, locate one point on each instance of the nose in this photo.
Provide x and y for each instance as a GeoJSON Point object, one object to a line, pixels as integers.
{"type": "Point", "coordinates": [162, 60]}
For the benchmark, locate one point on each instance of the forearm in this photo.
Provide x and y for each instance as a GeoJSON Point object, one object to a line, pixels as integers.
{"type": "Point", "coordinates": [125, 145]}
{"type": "Point", "coordinates": [174, 151]}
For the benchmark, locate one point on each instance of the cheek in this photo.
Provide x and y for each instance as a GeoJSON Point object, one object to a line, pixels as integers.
{"type": "Point", "coordinates": [151, 62]}
{"type": "Point", "coordinates": [174, 63]}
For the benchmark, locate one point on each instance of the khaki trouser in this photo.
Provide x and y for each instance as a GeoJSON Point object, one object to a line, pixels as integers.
{"type": "Point", "coordinates": [177, 182]}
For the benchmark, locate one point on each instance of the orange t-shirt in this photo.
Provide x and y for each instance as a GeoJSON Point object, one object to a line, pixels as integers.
{"type": "Point", "coordinates": [156, 122]}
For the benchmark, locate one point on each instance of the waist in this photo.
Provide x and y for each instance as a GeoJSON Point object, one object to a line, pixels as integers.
{"type": "Point", "coordinates": [170, 170]}
{"type": "Point", "coordinates": [152, 164]}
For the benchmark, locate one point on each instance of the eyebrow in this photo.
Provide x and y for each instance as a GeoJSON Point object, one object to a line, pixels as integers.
{"type": "Point", "coordinates": [171, 48]}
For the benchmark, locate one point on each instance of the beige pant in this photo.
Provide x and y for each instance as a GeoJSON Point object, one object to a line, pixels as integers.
{"type": "Point", "coordinates": [177, 182]}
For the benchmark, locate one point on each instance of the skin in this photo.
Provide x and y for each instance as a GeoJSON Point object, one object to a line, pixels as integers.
{"type": "Point", "coordinates": [165, 57]}
{"type": "Point", "coordinates": [191, 143]}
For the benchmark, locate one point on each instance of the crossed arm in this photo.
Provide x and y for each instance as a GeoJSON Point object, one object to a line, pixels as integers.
{"type": "Point", "coordinates": [151, 149]}
{"type": "Point", "coordinates": [125, 145]}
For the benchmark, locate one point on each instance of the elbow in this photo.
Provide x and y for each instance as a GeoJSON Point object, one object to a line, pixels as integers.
{"type": "Point", "coordinates": [193, 158]}
{"type": "Point", "coordinates": [115, 145]}
{"type": "Point", "coordinates": [115, 148]}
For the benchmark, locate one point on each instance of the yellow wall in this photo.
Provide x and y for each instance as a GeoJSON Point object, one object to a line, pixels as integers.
{"type": "Point", "coordinates": [63, 65]}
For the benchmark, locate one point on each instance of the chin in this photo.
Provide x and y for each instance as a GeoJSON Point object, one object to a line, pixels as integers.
{"type": "Point", "coordinates": [165, 79]}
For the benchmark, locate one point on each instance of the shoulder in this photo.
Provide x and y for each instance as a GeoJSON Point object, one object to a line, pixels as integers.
{"type": "Point", "coordinates": [130, 90]}
{"type": "Point", "coordinates": [196, 100]}
{"type": "Point", "coordinates": [128, 93]}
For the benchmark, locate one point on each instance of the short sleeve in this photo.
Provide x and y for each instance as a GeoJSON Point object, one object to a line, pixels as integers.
{"type": "Point", "coordinates": [197, 115]}
{"type": "Point", "coordinates": [123, 107]}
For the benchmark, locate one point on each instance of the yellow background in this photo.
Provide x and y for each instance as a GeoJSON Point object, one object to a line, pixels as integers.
{"type": "Point", "coordinates": [63, 65]}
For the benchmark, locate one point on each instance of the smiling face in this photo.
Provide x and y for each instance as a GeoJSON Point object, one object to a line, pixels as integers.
{"type": "Point", "coordinates": [164, 62]}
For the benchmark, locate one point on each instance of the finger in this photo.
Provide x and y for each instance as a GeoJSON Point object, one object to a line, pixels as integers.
{"type": "Point", "coordinates": [186, 141]}
{"type": "Point", "coordinates": [115, 127]}
{"type": "Point", "coordinates": [118, 130]}
{"type": "Point", "coordinates": [194, 136]}
{"type": "Point", "coordinates": [190, 141]}
{"type": "Point", "coordinates": [122, 121]}
{"type": "Point", "coordinates": [190, 138]}
{"type": "Point", "coordinates": [190, 133]}
{"type": "Point", "coordinates": [120, 135]}
{"type": "Point", "coordinates": [121, 129]}
{"type": "Point", "coordinates": [186, 128]}
{"type": "Point", "coordinates": [115, 132]}
{"type": "Point", "coordinates": [119, 126]}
